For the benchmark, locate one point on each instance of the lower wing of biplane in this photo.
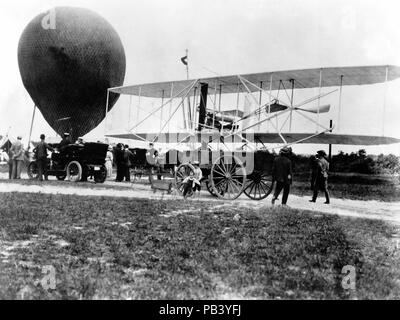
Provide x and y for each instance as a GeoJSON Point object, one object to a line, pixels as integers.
{"type": "Point", "coordinates": [263, 138]}
{"type": "Point", "coordinates": [200, 119]}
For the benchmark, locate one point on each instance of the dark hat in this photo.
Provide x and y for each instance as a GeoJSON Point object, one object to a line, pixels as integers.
{"type": "Point", "coordinates": [321, 153]}
{"type": "Point", "coordinates": [286, 150]}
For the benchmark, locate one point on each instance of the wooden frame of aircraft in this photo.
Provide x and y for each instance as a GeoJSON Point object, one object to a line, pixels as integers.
{"type": "Point", "coordinates": [228, 176]}
{"type": "Point", "coordinates": [230, 123]}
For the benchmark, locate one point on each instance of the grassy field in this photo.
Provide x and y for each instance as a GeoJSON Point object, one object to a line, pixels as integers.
{"type": "Point", "coordinates": [145, 249]}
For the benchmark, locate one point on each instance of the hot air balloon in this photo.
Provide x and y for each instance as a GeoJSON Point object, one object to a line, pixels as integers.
{"type": "Point", "coordinates": [68, 58]}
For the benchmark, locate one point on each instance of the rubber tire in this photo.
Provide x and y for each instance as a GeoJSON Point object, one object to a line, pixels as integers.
{"type": "Point", "coordinates": [33, 167]}
{"type": "Point", "coordinates": [78, 176]}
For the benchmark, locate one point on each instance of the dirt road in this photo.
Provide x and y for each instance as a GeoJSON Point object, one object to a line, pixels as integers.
{"type": "Point", "coordinates": [389, 211]}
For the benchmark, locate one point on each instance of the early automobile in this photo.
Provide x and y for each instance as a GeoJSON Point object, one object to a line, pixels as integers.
{"type": "Point", "coordinates": [75, 163]}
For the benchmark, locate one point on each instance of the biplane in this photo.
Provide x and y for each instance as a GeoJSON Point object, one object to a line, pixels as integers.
{"type": "Point", "coordinates": [209, 123]}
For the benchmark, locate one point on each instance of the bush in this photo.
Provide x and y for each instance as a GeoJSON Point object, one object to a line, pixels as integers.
{"type": "Point", "coordinates": [358, 162]}
{"type": "Point", "coordinates": [387, 164]}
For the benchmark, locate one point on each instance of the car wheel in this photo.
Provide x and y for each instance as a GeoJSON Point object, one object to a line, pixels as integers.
{"type": "Point", "coordinates": [33, 171]}
{"type": "Point", "coordinates": [74, 171]}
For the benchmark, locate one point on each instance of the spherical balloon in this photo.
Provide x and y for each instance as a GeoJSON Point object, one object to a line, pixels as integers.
{"type": "Point", "coordinates": [68, 58]}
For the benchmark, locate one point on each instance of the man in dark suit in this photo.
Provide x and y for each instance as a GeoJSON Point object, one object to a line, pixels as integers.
{"type": "Point", "coordinates": [120, 162]}
{"type": "Point", "coordinates": [321, 180]}
{"type": "Point", "coordinates": [282, 175]}
{"type": "Point", "coordinates": [41, 157]}
{"type": "Point", "coordinates": [128, 155]}
{"type": "Point", "coordinates": [314, 170]}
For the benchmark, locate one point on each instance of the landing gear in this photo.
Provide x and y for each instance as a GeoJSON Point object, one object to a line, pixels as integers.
{"type": "Point", "coordinates": [228, 177]}
{"type": "Point", "coordinates": [259, 186]}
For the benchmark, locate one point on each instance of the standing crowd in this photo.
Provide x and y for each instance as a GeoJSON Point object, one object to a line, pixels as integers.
{"type": "Point", "coordinates": [15, 158]}
{"type": "Point", "coordinates": [122, 157]}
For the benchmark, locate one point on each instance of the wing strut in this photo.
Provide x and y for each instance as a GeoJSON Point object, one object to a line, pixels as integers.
{"type": "Point", "coordinates": [260, 102]}
{"type": "Point", "coordinates": [384, 101]}
{"type": "Point", "coordinates": [170, 104]}
{"type": "Point", "coordinates": [319, 99]}
{"type": "Point", "coordinates": [186, 90]}
{"type": "Point", "coordinates": [340, 101]}
{"type": "Point", "coordinates": [177, 108]}
{"type": "Point", "coordinates": [291, 104]}
{"type": "Point", "coordinates": [270, 98]}
{"type": "Point", "coordinates": [162, 110]}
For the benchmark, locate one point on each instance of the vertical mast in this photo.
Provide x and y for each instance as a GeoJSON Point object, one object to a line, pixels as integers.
{"type": "Point", "coordinates": [30, 133]}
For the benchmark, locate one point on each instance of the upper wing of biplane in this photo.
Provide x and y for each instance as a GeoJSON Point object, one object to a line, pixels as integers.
{"type": "Point", "coordinates": [299, 79]}
{"type": "Point", "coordinates": [259, 82]}
{"type": "Point", "coordinates": [303, 138]}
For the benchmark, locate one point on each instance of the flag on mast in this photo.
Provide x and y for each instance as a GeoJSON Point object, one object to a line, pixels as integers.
{"type": "Point", "coordinates": [185, 60]}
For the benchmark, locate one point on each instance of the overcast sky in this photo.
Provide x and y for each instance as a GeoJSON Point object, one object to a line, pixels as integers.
{"type": "Point", "coordinates": [228, 37]}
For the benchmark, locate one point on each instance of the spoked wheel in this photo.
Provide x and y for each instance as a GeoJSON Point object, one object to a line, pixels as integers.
{"type": "Point", "coordinates": [228, 177]}
{"type": "Point", "coordinates": [33, 171]}
{"type": "Point", "coordinates": [259, 186]}
{"type": "Point", "coordinates": [74, 171]}
{"type": "Point", "coordinates": [210, 188]}
{"type": "Point", "coordinates": [181, 174]}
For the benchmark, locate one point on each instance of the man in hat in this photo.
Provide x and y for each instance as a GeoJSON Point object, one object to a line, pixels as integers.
{"type": "Point", "coordinates": [282, 175]}
{"type": "Point", "coordinates": [321, 180]}
{"type": "Point", "coordinates": [120, 162]}
{"type": "Point", "coordinates": [80, 142]}
{"type": "Point", "coordinates": [18, 157]}
{"type": "Point", "coordinates": [314, 170]}
{"type": "Point", "coordinates": [41, 157]}
{"type": "Point", "coordinates": [64, 142]}
{"type": "Point", "coordinates": [128, 155]}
